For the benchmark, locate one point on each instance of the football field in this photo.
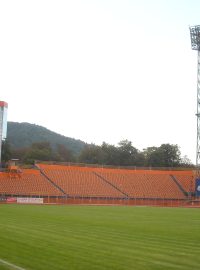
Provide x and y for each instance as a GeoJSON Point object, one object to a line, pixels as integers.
{"type": "Point", "coordinates": [50, 237]}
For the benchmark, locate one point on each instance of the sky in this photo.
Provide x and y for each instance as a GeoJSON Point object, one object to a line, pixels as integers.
{"type": "Point", "coordinates": [102, 70]}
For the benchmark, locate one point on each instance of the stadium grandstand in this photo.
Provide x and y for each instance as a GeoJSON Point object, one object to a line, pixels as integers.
{"type": "Point", "coordinates": [73, 184]}
{"type": "Point", "coordinates": [84, 184]}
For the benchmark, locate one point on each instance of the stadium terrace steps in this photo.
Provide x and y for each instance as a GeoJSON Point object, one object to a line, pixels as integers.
{"type": "Point", "coordinates": [103, 182]}
{"type": "Point", "coordinates": [87, 182]}
{"type": "Point", "coordinates": [143, 184]}
{"type": "Point", "coordinates": [173, 177]}
{"type": "Point", "coordinates": [54, 184]}
{"type": "Point", "coordinates": [187, 181]}
{"type": "Point", "coordinates": [79, 181]}
{"type": "Point", "coordinates": [30, 182]}
{"type": "Point", "coordinates": [114, 186]}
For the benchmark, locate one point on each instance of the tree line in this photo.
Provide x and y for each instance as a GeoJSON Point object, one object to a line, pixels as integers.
{"type": "Point", "coordinates": [124, 154]}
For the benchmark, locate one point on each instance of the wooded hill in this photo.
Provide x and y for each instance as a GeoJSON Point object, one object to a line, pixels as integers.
{"type": "Point", "coordinates": [23, 135]}
{"type": "Point", "coordinates": [30, 142]}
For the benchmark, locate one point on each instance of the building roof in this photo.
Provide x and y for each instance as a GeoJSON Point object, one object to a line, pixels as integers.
{"type": "Point", "coordinates": [3, 104]}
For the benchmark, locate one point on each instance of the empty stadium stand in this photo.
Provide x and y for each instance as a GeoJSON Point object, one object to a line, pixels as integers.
{"type": "Point", "coordinates": [77, 181]}
{"type": "Point", "coordinates": [98, 184]}
{"type": "Point", "coordinates": [28, 182]}
{"type": "Point", "coordinates": [186, 180]}
{"type": "Point", "coordinates": [144, 184]}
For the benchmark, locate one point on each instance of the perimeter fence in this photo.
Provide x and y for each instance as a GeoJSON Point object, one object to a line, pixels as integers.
{"type": "Point", "coordinates": [78, 200]}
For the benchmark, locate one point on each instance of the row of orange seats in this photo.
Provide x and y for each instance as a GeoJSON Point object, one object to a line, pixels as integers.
{"type": "Point", "coordinates": [77, 182]}
{"type": "Point", "coordinates": [29, 182]}
{"type": "Point", "coordinates": [144, 185]}
{"type": "Point", "coordinates": [97, 182]}
{"type": "Point", "coordinates": [104, 182]}
{"type": "Point", "coordinates": [187, 181]}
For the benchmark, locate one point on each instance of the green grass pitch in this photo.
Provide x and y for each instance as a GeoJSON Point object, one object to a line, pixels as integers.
{"type": "Point", "coordinates": [99, 237]}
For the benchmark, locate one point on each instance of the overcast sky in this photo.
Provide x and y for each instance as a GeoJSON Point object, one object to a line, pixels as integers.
{"type": "Point", "coordinates": [102, 70]}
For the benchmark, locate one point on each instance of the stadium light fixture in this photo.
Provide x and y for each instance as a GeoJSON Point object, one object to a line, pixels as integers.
{"type": "Point", "coordinates": [195, 44]}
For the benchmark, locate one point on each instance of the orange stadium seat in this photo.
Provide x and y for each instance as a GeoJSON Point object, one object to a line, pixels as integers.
{"type": "Point", "coordinates": [78, 181]}
{"type": "Point", "coordinates": [30, 182]}
{"type": "Point", "coordinates": [84, 181]}
{"type": "Point", "coordinates": [186, 180]}
{"type": "Point", "coordinates": [144, 184]}
{"type": "Point", "coordinates": [93, 182]}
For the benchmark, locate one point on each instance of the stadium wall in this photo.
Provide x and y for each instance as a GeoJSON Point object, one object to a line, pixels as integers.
{"type": "Point", "coordinates": [98, 201]}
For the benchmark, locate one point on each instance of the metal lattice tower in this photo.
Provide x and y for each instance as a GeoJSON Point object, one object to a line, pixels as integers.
{"type": "Point", "coordinates": [195, 43]}
{"type": "Point", "coordinates": [3, 123]}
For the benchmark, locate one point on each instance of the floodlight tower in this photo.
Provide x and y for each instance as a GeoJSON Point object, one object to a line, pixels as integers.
{"type": "Point", "coordinates": [3, 123]}
{"type": "Point", "coordinates": [195, 43]}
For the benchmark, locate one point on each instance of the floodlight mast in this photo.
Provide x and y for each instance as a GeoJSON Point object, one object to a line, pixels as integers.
{"type": "Point", "coordinates": [195, 44]}
{"type": "Point", "coordinates": [3, 123]}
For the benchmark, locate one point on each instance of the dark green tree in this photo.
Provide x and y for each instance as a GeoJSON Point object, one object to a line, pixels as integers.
{"type": "Point", "coordinates": [19, 153]}
{"type": "Point", "coordinates": [39, 151]}
{"type": "Point", "coordinates": [63, 153]}
{"type": "Point", "coordinates": [170, 155]}
{"type": "Point", "coordinates": [186, 162]}
{"type": "Point", "coordinates": [122, 155]}
{"type": "Point", "coordinates": [6, 151]}
{"type": "Point", "coordinates": [152, 157]}
{"type": "Point", "coordinates": [129, 155]}
{"type": "Point", "coordinates": [110, 154]}
{"type": "Point", "coordinates": [167, 155]}
{"type": "Point", "coordinates": [91, 154]}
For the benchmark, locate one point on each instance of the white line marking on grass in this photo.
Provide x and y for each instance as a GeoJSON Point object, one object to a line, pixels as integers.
{"type": "Point", "coordinates": [11, 265]}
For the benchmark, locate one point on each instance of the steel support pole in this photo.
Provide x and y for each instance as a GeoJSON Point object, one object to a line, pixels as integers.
{"type": "Point", "coordinates": [0, 151]}
{"type": "Point", "coordinates": [198, 116]}
{"type": "Point", "coordinates": [1, 127]}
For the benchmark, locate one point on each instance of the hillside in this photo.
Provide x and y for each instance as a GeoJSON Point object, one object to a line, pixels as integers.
{"type": "Point", "coordinates": [21, 135]}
